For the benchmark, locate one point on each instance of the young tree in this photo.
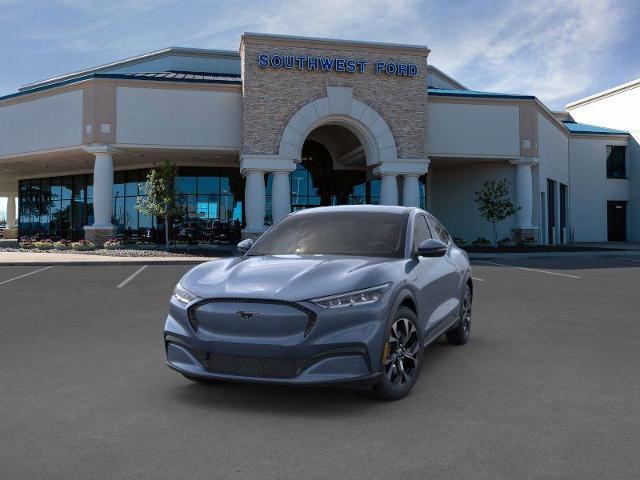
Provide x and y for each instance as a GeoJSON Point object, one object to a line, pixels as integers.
{"type": "Point", "coordinates": [494, 203]}
{"type": "Point", "coordinates": [161, 198]}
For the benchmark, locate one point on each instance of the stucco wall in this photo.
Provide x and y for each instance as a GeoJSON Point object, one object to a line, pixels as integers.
{"type": "Point", "coordinates": [193, 118]}
{"type": "Point", "coordinates": [590, 189]}
{"type": "Point", "coordinates": [45, 123]}
{"type": "Point", "coordinates": [271, 96]}
{"type": "Point", "coordinates": [620, 111]}
{"type": "Point", "coordinates": [452, 197]}
{"type": "Point", "coordinates": [469, 129]}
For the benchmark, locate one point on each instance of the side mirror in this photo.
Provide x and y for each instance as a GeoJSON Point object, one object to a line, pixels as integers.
{"type": "Point", "coordinates": [245, 245]}
{"type": "Point", "coordinates": [432, 248]}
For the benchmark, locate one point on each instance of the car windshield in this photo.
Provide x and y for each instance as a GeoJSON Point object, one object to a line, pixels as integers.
{"type": "Point", "coordinates": [361, 233]}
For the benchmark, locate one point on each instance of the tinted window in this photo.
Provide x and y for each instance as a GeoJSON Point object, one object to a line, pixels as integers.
{"type": "Point", "coordinates": [616, 167]}
{"type": "Point", "coordinates": [438, 230]}
{"type": "Point", "coordinates": [420, 231]}
{"type": "Point", "coordinates": [373, 234]}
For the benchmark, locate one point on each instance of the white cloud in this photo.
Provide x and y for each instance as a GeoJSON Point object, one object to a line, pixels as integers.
{"type": "Point", "coordinates": [546, 48]}
{"type": "Point", "coordinates": [543, 47]}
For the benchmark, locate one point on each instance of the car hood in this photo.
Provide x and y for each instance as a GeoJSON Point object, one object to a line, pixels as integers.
{"type": "Point", "coordinates": [286, 277]}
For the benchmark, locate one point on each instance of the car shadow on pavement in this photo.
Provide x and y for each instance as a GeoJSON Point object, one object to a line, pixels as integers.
{"type": "Point", "coordinates": [319, 401]}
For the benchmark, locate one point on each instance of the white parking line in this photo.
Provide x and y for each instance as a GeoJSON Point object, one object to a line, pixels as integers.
{"type": "Point", "coordinates": [529, 269]}
{"type": "Point", "coordinates": [477, 279]}
{"type": "Point", "coordinates": [25, 275]}
{"type": "Point", "coordinates": [132, 276]}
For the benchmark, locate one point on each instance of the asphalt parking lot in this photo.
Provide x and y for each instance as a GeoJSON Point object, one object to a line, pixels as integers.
{"type": "Point", "coordinates": [548, 387]}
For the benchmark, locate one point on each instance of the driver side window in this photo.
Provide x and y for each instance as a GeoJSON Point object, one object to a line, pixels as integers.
{"type": "Point", "coordinates": [421, 231]}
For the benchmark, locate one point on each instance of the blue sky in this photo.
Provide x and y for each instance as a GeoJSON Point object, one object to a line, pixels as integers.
{"type": "Point", "coordinates": [557, 50]}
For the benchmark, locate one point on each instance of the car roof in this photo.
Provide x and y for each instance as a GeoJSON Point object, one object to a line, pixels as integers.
{"type": "Point", "coordinates": [357, 208]}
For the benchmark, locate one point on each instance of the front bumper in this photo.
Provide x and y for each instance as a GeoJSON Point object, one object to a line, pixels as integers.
{"type": "Point", "coordinates": [344, 346]}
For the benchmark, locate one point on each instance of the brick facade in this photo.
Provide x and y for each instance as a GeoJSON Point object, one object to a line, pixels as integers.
{"type": "Point", "coordinates": [271, 96]}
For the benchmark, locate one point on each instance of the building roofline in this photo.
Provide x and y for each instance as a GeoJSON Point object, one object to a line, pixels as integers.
{"type": "Point", "coordinates": [116, 76]}
{"type": "Point", "coordinates": [605, 93]}
{"type": "Point", "coordinates": [132, 61]}
{"type": "Point", "coordinates": [445, 92]}
{"type": "Point", "coordinates": [416, 49]}
{"type": "Point", "coordinates": [529, 98]}
{"type": "Point", "coordinates": [447, 77]}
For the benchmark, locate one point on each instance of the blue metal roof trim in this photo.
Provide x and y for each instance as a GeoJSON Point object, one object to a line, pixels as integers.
{"type": "Point", "coordinates": [585, 128]}
{"type": "Point", "coordinates": [227, 79]}
{"type": "Point", "coordinates": [444, 92]}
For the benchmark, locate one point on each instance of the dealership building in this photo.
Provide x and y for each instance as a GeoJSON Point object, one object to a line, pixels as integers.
{"type": "Point", "coordinates": [287, 123]}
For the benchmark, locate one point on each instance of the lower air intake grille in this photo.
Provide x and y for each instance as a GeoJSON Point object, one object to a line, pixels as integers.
{"type": "Point", "coordinates": [252, 366]}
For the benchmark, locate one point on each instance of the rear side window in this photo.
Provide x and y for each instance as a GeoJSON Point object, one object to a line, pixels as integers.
{"type": "Point", "coordinates": [420, 231]}
{"type": "Point", "coordinates": [439, 231]}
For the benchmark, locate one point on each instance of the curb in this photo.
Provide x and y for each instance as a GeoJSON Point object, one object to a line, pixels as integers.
{"type": "Point", "coordinates": [596, 253]}
{"type": "Point", "coordinates": [109, 263]}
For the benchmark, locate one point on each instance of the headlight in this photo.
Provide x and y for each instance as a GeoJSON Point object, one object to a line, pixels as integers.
{"type": "Point", "coordinates": [182, 295]}
{"type": "Point", "coordinates": [359, 297]}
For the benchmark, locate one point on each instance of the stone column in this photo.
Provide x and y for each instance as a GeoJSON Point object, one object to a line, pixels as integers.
{"type": "Point", "coordinates": [389, 189]}
{"type": "Point", "coordinates": [524, 198]}
{"type": "Point", "coordinates": [254, 166]}
{"type": "Point", "coordinates": [254, 202]}
{"type": "Point", "coordinates": [102, 229]}
{"type": "Point", "coordinates": [411, 191]}
{"type": "Point", "coordinates": [11, 232]}
{"type": "Point", "coordinates": [11, 212]}
{"type": "Point", "coordinates": [280, 195]}
{"type": "Point", "coordinates": [410, 170]}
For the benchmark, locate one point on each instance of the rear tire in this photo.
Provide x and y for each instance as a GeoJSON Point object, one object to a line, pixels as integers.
{"type": "Point", "coordinates": [401, 357]}
{"type": "Point", "coordinates": [460, 334]}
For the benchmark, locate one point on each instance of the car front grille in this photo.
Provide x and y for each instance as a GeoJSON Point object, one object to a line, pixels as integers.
{"type": "Point", "coordinates": [251, 366]}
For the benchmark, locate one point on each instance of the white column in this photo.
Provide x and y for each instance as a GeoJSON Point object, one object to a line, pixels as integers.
{"type": "Point", "coordinates": [410, 191]}
{"type": "Point", "coordinates": [254, 200]}
{"type": "Point", "coordinates": [280, 196]}
{"type": "Point", "coordinates": [389, 189]}
{"type": "Point", "coordinates": [11, 212]}
{"type": "Point", "coordinates": [524, 193]}
{"type": "Point", "coordinates": [103, 189]}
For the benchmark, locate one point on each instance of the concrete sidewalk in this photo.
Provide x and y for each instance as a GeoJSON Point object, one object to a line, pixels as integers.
{"type": "Point", "coordinates": [635, 254]}
{"type": "Point", "coordinates": [33, 258]}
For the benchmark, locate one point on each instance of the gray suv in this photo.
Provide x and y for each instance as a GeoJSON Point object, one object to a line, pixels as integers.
{"type": "Point", "coordinates": [329, 295]}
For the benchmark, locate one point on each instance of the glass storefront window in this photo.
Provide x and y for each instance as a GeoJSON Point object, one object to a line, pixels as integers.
{"type": "Point", "coordinates": [59, 207]}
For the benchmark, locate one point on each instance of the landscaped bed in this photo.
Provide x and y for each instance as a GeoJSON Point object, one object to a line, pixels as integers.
{"type": "Point", "coordinates": [533, 248]}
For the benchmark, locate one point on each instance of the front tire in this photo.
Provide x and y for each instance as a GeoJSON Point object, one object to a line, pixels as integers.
{"type": "Point", "coordinates": [460, 334]}
{"type": "Point", "coordinates": [401, 358]}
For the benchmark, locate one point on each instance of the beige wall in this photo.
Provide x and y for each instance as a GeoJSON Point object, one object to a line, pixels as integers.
{"type": "Point", "coordinates": [176, 117]}
{"type": "Point", "coordinates": [466, 129]}
{"type": "Point", "coordinates": [49, 122]}
{"type": "Point", "coordinates": [271, 96]}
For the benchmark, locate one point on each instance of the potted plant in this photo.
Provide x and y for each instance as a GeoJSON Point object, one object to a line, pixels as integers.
{"type": "Point", "coordinates": [507, 242]}
{"type": "Point", "coordinates": [62, 244]}
{"type": "Point", "coordinates": [83, 245]}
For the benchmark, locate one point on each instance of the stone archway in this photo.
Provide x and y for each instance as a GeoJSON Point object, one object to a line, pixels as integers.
{"type": "Point", "coordinates": [340, 108]}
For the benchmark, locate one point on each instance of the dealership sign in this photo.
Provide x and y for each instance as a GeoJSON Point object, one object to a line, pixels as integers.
{"type": "Point", "coordinates": [335, 64]}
